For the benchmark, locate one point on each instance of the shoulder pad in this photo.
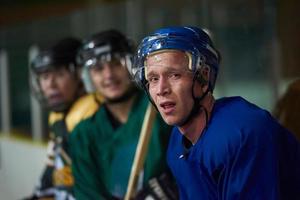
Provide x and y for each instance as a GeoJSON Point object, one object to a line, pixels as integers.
{"type": "Point", "coordinates": [83, 108]}
{"type": "Point", "coordinates": [54, 117]}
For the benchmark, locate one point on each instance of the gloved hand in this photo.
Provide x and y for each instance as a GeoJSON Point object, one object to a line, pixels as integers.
{"type": "Point", "coordinates": [158, 188]}
{"type": "Point", "coordinates": [38, 194]}
{"type": "Point", "coordinates": [35, 197]}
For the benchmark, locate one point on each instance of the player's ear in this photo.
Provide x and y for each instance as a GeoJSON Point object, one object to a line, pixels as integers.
{"type": "Point", "coordinates": [79, 72]}
{"type": "Point", "coordinates": [203, 75]}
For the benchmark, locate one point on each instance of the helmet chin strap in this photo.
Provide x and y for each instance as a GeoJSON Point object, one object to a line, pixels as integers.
{"type": "Point", "coordinates": [197, 107]}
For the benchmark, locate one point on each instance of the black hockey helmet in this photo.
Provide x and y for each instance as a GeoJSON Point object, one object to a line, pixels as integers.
{"type": "Point", "coordinates": [62, 54]}
{"type": "Point", "coordinates": [104, 46]}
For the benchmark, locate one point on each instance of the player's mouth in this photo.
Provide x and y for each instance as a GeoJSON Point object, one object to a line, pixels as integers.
{"type": "Point", "coordinates": [167, 107]}
{"type": "Point", "coordinates": [55, 98]}
{"type": "Point", "coordinates": [112, 84]}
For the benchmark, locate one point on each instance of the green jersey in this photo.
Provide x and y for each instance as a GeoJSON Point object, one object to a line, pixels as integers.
{"type": "Point", "coordinates": [102, 155]}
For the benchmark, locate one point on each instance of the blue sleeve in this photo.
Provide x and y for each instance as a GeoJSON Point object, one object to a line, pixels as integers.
{"type": "Point", "coordinates": [266, 165]}
{"type": "Point", "coordinates": [253, 173]}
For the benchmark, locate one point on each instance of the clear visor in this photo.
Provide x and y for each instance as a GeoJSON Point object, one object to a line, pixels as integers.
{"type": "Point", "coordinates": [113, 59]}
{"type": "Point", "coordinates": [35, 86]}
{"type": "Point", "coordinates": [99, 62]}
{"type": "Point", "coordinates": [36, 73]}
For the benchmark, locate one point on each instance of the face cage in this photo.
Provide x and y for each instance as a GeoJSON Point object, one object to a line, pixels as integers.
{"type": "Point", "coordinates": [97, 62]}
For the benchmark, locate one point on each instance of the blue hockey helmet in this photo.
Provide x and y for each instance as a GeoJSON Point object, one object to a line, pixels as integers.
{"type": "Point", "coordinates": [192, 40]}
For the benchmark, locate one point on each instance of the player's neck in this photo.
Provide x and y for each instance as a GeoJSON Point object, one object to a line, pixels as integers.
{"type": "Point", "coordinates": [122, 109]}
{"type": "Point", "coordinates": [194, 128]}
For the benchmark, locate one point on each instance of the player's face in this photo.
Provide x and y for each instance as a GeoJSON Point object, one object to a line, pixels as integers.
{"type": "Point", "coordinates": [170, 85]}
{"type": "Point", "coordinates": [111, 79]}
{"type": "Point", "coordinates": [58, 86]}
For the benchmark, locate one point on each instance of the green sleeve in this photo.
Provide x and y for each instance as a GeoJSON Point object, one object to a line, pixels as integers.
{"type": "Point", "coordinates": [87, 185]}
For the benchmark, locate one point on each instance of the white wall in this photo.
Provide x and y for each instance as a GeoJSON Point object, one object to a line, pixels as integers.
{"type": "Point", "coordinates": [21, 164]}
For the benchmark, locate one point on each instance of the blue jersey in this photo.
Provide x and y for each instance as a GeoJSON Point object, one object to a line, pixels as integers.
{"type": "Point", "coordinates": [242, 154]}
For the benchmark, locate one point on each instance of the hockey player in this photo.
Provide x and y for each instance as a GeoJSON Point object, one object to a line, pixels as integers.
{"type": "Point", "coordinates": [103, 146]}
{"type": "Point", "coordinates": [57, 84]}
{"type": "Point", "coordinates": [219, 149]}
{"type": "Point", "coordinates": [287, 108]}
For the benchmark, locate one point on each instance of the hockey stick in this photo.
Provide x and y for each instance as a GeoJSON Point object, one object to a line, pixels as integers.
{"type": "Point", "coordinates": [141, 151]}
